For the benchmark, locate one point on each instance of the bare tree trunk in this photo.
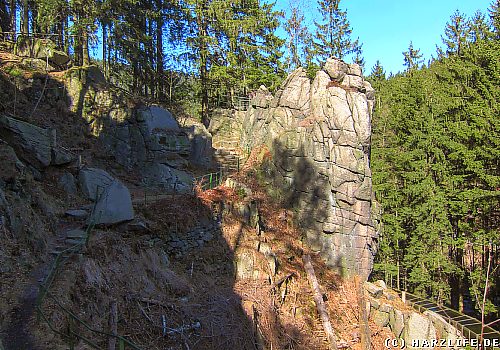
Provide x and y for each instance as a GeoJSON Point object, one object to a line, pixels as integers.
{"type": "Point", "coordinates": [85, 47]}
{"type": "Point", "coordinates": [104, 48]}
{"type": "Point", "coordinates": [159, 51]}
{"type": "Point", "coordinates": [25, 20]}
{"type": "Point", "coordinates": [13, 19]}
{"type": "Point", "coordinates": [4, 17]}
{"type": "Point", "coordinates": [485, 294]}
{"type": "Point", "coordinates": [320, 304]}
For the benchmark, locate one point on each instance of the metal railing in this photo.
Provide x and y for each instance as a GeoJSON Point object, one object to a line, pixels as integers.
{"type": "Point", "coordinates": [209, 181]}
{"type": "Point", "coordinates": [239, 103]}
{"type": "Point", "coordinates": [465, 324]}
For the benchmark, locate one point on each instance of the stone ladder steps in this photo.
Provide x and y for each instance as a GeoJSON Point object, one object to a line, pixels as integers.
{"type": "Point", "coordinates": [73, 238]}
{"type": "Point", "coordinates": [229, 159]}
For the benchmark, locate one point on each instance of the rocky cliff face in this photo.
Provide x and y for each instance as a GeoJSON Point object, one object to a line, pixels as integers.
{"type": "Point", "coordinates": [147, 138]}
{"type": "Point", "coordinates": [319, 137]}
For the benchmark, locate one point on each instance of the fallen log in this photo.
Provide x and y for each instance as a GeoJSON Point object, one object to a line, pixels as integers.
{"type": "Point", "coordinates": [318, 299]}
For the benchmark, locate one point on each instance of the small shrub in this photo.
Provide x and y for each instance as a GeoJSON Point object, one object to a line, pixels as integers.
{"type": "Point", "coordinates": [14, 72]}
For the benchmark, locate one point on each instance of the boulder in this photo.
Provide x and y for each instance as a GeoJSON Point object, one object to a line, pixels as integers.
{"type": "Point", "coordinates": [37, 64]}
{"type": "Point", "coordinates": [61, 156]}
{"type": "Point", "coordinates": [353, 81]}
{"type": "Point", "coordinates": [418, 327]}
{"type": "Point", "coordinates": [369, 90]}
{"type": "Point", "coordinates": [261, 98]}
{"type": "Point", "coordinates": [373, 289]}
{"type": "Point", "coordinates": [42, 49]}
{"type": "Point", "coordinates": [201, 145]}
{"type": "Point", "coordinates": [245, 265]}
{"type": "Point", "coordinates": [336, 69]}
{"type": "Point", "coordinates": [157, 174]}
{"type": "Point", "coordinates": [157, 118]}
{"type": "Point", "coordinates": [113, 206]}
{"type": "Point", "coordinates": [396, 322]}
{"type": "Point", "coordinates": [93, 181]}
{"type": "Point", "coordinates": [380, 318]}
{"type": "Point", "coordinates": [68, 183]}
{"type": "Point", "coordinates": [32, 143]}
{"type": "Point", "coordinates": [77, 213]}
{"type": "Point", "coordinates": [355, 69]}
{"type": "Point", "coordinates": [381, 284]}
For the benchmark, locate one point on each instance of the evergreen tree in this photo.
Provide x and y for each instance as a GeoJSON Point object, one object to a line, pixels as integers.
{"type": "Point", "coordinates": [333, 34]}
{"type": "Point", "coordinates": [298, 36]}
{"type": "Point", "coordinates": [494, 12]}
{"type": "Point", "coordinates": [479, 28]}
{"type": "Point", "coordinates": [456, 33]}
{"type": "Point", "coordinates": [435, 145]}
{"type": "Point", "coordinates": [412, 57]}
{"type": "Point", "coordinates": [378, 72]}
{"type": "Point", "coordinates": [359, 59]}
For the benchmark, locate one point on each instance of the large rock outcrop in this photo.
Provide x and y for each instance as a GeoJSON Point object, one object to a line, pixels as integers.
{"type": "Point", "coordinates": [35, 145]}
{"type": "Point", "coordinates": [147, 138]}
{"type": "Point", "coordinates": [319, 136]}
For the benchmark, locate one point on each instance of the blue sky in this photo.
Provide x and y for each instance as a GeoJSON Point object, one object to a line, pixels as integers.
{"type": "Point", "coordinates": [385, 27]}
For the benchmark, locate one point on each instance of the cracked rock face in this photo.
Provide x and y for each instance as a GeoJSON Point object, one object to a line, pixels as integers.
{"type": "Point", "coordinates": [319, 136]}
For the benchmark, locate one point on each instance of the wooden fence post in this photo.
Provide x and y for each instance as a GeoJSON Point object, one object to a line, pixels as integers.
{"type": "Point", "coordinates": [113, 325]}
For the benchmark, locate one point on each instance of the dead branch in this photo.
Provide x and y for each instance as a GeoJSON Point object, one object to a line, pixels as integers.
{"type": "Point", "coordinates": [318, 299]}
{"type": "Point", "coordinates": [281, 280]}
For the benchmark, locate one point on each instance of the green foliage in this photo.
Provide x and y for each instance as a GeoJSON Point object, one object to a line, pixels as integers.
{"type": "Point", "coordinates": [494, 12]}
{"type": "Point", "coordinates": [333, 34]}
{"type": "Point", "coordinates": [456, 34]}
{"type": "Point", "coordinates": [412, 57]}
{"type": "Point", "coordinates": [14, 71]}
{"type": "Point", "coordinates": [298, 39]}
{"type": "Point", "coordinates": [377, 73]}
{"type": "Point", "coordinates": [435, 156]}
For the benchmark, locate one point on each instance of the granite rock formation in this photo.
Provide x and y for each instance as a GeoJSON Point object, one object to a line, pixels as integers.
{"type": "Point", "coordinates": [319, 136]}
{"type": "Point", "coordinates": [143, 137]}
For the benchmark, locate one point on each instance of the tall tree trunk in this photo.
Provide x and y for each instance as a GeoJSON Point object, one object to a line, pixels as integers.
{"type": "Point", "coordinates": [159, 50]}
{"type": "Point", "coordinates": [202, 24]}
{"type": "Point", "coordinates": [104, 48]}
{"type": "Point", "coordinates": [34, 19]}
{"type": "Point", "coordinates": [4, 17]}
{"type": "Point", "coordinates": [13, 18]}
{"type": "Point", "coordinates": [85, 47]}
{"type": "Point", "coordinates": [25, 20]}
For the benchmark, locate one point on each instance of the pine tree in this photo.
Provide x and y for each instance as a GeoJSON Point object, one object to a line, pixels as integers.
{"type": "Point", "coordinates": [298, 35]}
{"type": "Point", "coordinates": [479, 28]}
{"type": "Point", "coordinates": [359, 59]}
{"type": "Point", "coordinates": [378, 72]}
{"type": "Point", "coordinates": [233, 44]}
{"type": "Point", "coordinates": [333, 35]}
{"type": "Point", "coordinates": [456, 33]}
{"type": "Point", "coordinates": [435, 146]}
{"type": "Point", "coordinates": [412, 57]}
{"type": "Point", "coordinates": [494, 12]}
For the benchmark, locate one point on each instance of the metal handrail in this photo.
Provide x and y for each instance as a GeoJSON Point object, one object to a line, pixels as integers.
{"type": "Point", "coordinates": [420, 303]}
